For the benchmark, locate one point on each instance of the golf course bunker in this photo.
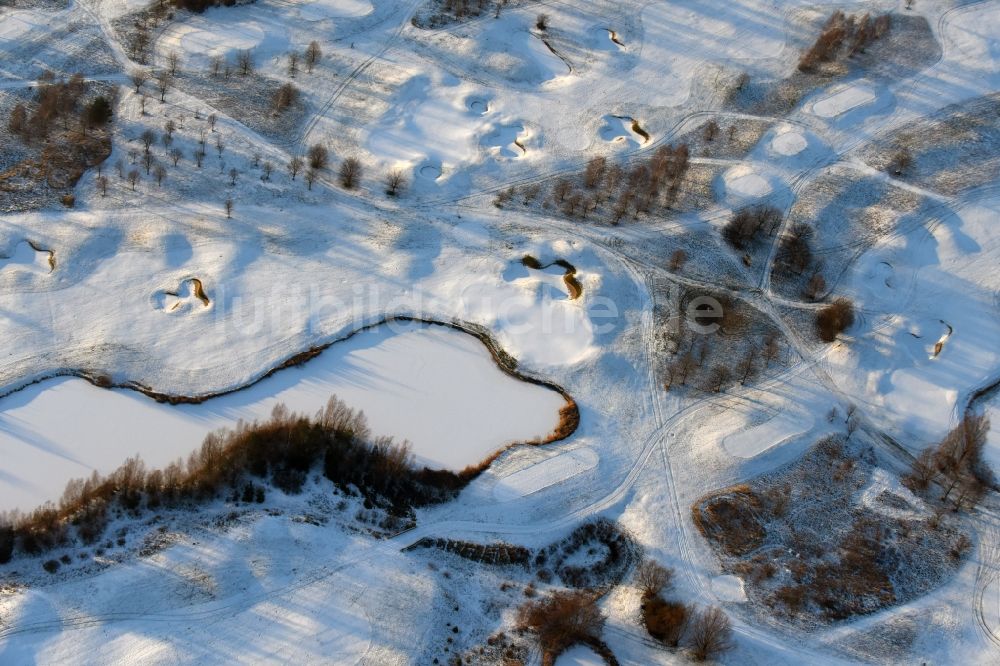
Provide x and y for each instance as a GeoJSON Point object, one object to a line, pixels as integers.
{"type": "Point", "coordinates": [623, 129]}
{"type": "Point", "coordinates": [559, 266]}
{"type": "Point", "coordinates": [506, 141]}
{"type": "Point", "coordinates": [190, 293]}
{"type": "Point", "coordinates": [433, 385]}
{"type": "Point", "coordinates": [31, 257]}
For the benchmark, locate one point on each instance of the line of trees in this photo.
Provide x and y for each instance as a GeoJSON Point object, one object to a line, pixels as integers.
{"type": "Point", "coordinates": [955, 466]}
{"type": "Point", "coordinates": [843, 35]}
{"type": "Point", "coordinates": [282, 451]}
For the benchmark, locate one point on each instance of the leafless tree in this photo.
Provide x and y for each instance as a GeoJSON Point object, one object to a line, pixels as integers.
{"type": "Point", "coordinates": [815, 287]}
{"type": "Point", "coordinates": [318, 156]}
{"type": "Point", "coordinates": [284, 97]}
{"type": "Point", "coordinates": [162, 85]}
{"type": "Point", "coordinates": [148, 138]}
{"type": "Point", "coordinates": [215, 66]}
{"type": "Point", "coordinates": [229, 208]}
{"type": "Point", "coordinates": [350, 172]}
{"type": "Point", "coordinates": [710, 131]}
{"type": "Point", "coordinates": [102, 185]}
{"type": "Point", "coordinates": [293, 63]}
{"type": "Point", "coordinates": [594, 173]}
{"type": "Point", "coordinates": [142, 103]}
{"type": "Point", "coordinates": [199, 157]}
{"type": "Point", "coordinates": [176, 155]}
{"type": "Point", "coordinates": [310, 177]}
{"type": "Point", "coordinates": [652, 577]}
{"type": "Point", "coordinates": [133, 178]}
{"type": "Point", "coordinates": [138, 77]}
{"type": "Point", "coordinates": [677, 260]}
{"type": "Point", "coordinates": [173, 61]}
{"type": "Point", "coordinates": [562, 189]}
{"type": "Point", "coordinates": [834, 319]}
{"type": "Point", "coordinates": [244, 61]}
{"type": "Point", "coordinates": [233, 173]}
{"type": "Point", "coordinates": [746, 368]}
{"type": "Point", "coordinates": [666, 621]}
{"type": "Point", "coordinates": [770, 349]}
{"type": "Point", "coordinates": [167, 140]}
{"type": "Point", "coordinates": [721, 374]}
{"type": "Point", "coordinates": [266, 169]}
{"type": "Point", "coordinates": [710, 634]}
{"type": "Point", "coordinates": [313, 54]}
{"type": "Point", "coordinates": [395, 180]}
{"type": "Point", "coordinates": [120, 168]}
{"type": "Point", "coordinates": [561, 619]}
{"type": "Point", "coordinates": [159, 173]}
{"type": "Point", "coordinates": [901, 162]}
{"type": "Point", "coordinates": [212, 119]}
{"type": "Point", "coordinates": [170, 127]}
{"type": "Point", "coordinates": [294, 166]}
{"type": "Point", "coordinates": [148, 161]}
{"type": "Point", "coordinates": [219, 146]}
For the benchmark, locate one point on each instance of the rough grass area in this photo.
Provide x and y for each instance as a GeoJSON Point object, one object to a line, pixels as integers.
{"type": "Point", "coordinates": [843, 214]}
{"type": "Point", "coordinates": [952, 151]}
{"type": "Point", "coordinates": [829, 537]}
{"type": "Point", "coordinates": [725, 138]}
{"type": "Point", "coordinates": [247, 99]}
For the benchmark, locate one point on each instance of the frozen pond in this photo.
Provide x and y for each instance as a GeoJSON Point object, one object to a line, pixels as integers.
{"type": "Point", "coordinates": [435, 386]}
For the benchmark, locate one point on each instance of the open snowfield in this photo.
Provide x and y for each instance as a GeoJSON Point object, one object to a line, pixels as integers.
{"type": "Point", "coordinates": [503, 227]}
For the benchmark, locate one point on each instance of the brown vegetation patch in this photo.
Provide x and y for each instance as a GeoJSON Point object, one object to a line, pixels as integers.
{"type": "Point", "coordinates": [809, 549]}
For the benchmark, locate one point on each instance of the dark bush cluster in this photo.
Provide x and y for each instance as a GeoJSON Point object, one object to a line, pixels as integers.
{"type": "Point", "coordinates": [834, 319]}
{"type": "Point", "coordinates": [494, 553]}
{"type": "Point", "coordinates": [749, 224]}
{"type": "Point", "coordinates": [606, 551]}
{"type": "Point", "coordinates": [564, 619]}
{"type": "Point", "coordinates": [281, 451]}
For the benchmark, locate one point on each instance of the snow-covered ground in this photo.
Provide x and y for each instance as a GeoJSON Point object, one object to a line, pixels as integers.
{"type": "Point", "coordinates": [108, 289]}
{"type": "Point", "coordinates": [433, 386]}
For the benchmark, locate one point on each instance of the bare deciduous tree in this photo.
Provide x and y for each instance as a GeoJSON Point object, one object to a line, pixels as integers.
{"type": "Point", "coordinates": [212, 119]}
{"type": "Point", "coordinates": [176, 155]}
{"type": "Point", "coordinates": [293, 63]}
{"type": "Point", "coordinates": [233, 173]}
{"type": "Point", "coordinates": [313, 54]}
{"type": "Point", "coordinates": [148, 138]}
{"type": "Point", "coordinates": [318, 156]}
{"type": "Point", "coordinates": [138, 77]}
{"type": "Point", "coordinates": [294, 166]}
{"type": "Point", "coordinates": [173, 61]}
{"type": "Point", "coordinates": [395, 180]}
{"type": "Point", "coordinates": [652, 577]}
{"type": "Point", "coordinates": [199, 157]}
{"type": "Point", "coordinates": [133, 178]}
{"type": "Point", "coordinates": [350, 172]}
{"type": "Point", "coordinates": [229, 208]}
{"type": "Point", "coordinates": [710, 634]}
{"type": "Point", "coordinates": [159, 173]}
{"type": "Point", "coordinates": [163, 84]}
{"type": "Point", "coordinates": [310, 176]}
{"type": "Point", "coordinates": [244, 62]}
{"type": "Point", "coordinates": [266, 171]}
{"type": "Point", "coordinates": [102, 185]}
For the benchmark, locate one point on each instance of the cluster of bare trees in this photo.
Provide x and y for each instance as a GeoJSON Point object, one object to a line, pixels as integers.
{"type": "Point", "coordinates": [707, 633]}
{"type": "Point", "coordinates": [310, 56]}
{"type": "Point", "coordinates": [708, 339]}
{"type": "Point", "coordinates": [795, 253]}
{"type": "Point", "coordinates": [843, 35]}
{"type": "Point", "coordinates": [57, 106]}
{"type": "Point", "coordinates": [284, 97]}
{"type": "Point", "coordinates": [750, 224]}
{"type": "Point", "coordinates": [611, 191]}
{"type": "Point", "coordinates": [281, 450]}
{"type": "Point", "coordinates": [955, 466]}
